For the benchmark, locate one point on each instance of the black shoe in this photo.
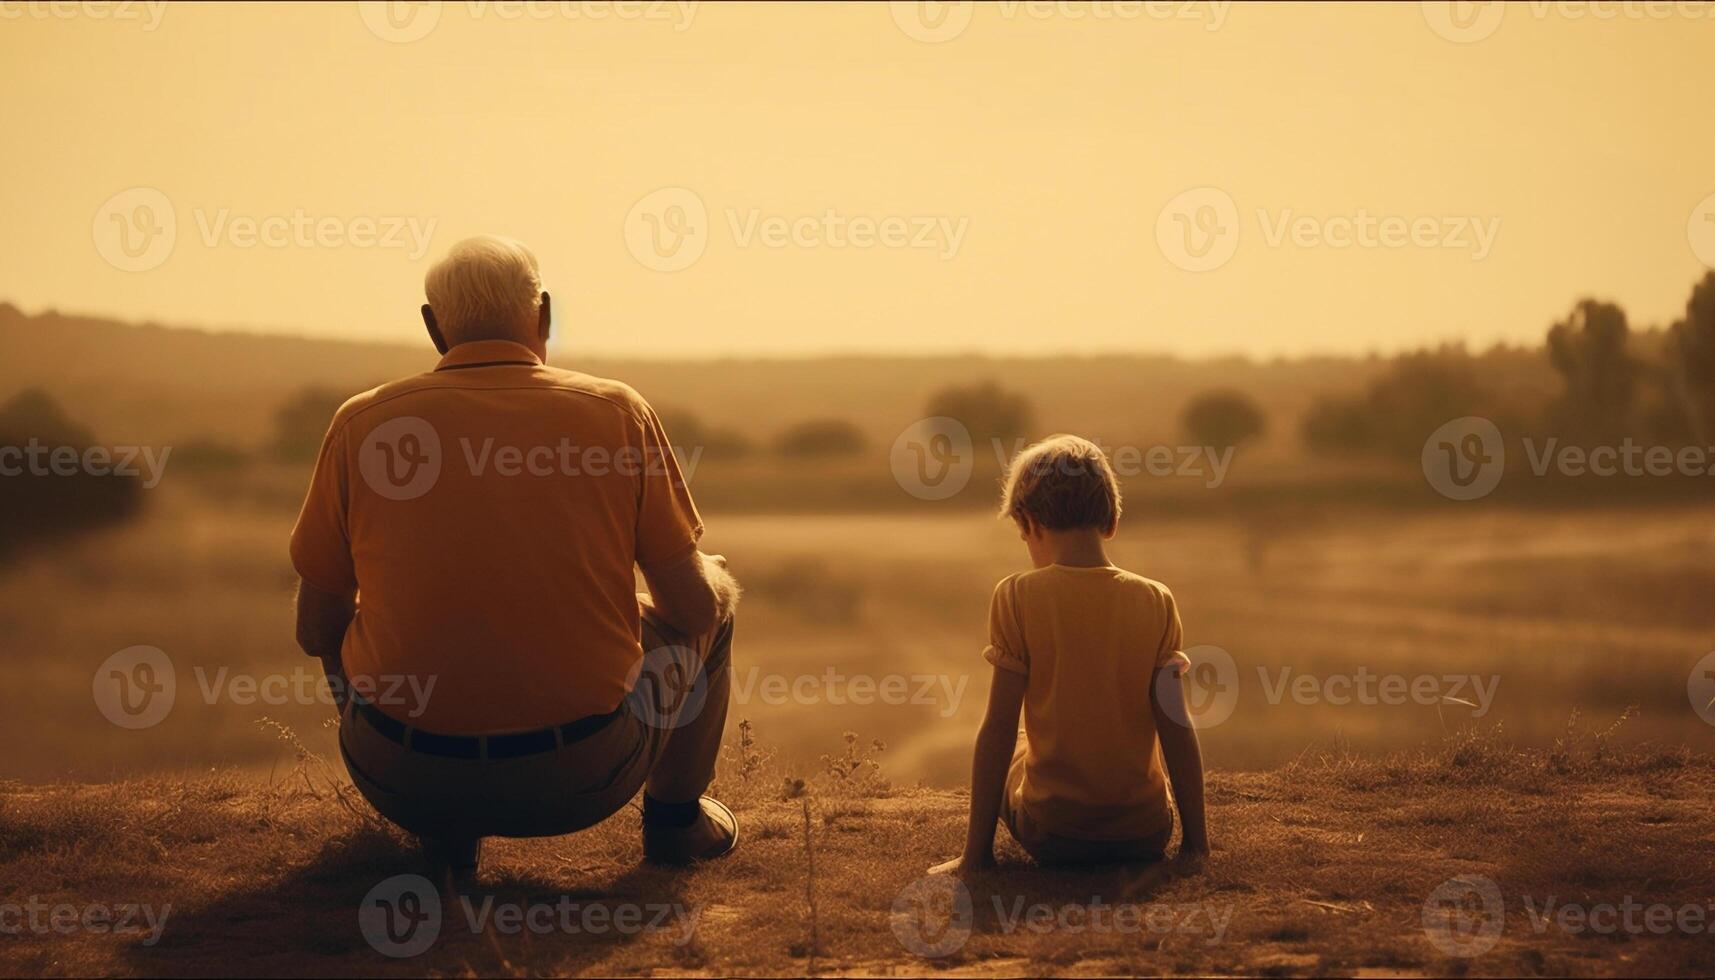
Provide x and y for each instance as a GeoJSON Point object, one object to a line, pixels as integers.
{"type": "Point", "coordinates": [713, 834]}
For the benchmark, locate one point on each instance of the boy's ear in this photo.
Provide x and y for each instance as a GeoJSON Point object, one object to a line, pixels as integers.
{"type": "Point", "coordinates": [434, 330]}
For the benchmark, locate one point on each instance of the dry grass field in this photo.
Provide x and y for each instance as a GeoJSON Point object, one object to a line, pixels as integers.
{"type": "Point", "coordinates": [1335, 865]}
{"type": "Point", "coordinates": [873, 624]}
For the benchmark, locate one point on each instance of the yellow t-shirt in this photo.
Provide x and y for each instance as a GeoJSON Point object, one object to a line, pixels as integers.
{"type": "Point", "coordinates": [1090, 641]}
{"type": "Point", "coordinates": [489, 513]}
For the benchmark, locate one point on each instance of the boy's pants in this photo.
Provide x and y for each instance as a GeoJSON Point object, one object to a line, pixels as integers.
{"type": "Point", "coordinates": [1050, 848]}
{"type": "Point", "coordinates": [666, 733]}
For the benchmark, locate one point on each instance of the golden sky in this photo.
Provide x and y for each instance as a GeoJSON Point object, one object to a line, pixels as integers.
{"type": "Point", "coordinates": [706, 178]}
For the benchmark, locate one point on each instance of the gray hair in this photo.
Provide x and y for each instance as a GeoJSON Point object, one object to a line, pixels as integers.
{"type": "Point", "coordinates": [487, 288]}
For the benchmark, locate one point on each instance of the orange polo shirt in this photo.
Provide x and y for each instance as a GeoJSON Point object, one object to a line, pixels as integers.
{"type": "Point", "coordinates": [1089, 642]}
{"type": "Point", "coordinates": [489, 513]}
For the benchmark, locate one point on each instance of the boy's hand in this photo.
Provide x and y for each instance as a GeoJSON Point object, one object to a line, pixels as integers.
{"type": "Point", "coordinates": [953, 867]}
{"type": "Point", "coordinates": [959, 867]}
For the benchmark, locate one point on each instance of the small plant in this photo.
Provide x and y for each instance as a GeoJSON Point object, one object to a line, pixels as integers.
{"type": "Point", "coordinates": [797, 789]}
{"type": "Point", "coordinates": [855, 769]}
{"type": "Point", "coordinates": [1604, 739]}
{"type": "Point", "coordinates": [751, 759]}
{"type": "Point", "coordinates": [310, 768]}
{"type": "Point", "coordinates": [1563, 754]}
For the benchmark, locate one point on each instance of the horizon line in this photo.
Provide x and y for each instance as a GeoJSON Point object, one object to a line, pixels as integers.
{"type": "Point", "coordinates": [1476, 349]}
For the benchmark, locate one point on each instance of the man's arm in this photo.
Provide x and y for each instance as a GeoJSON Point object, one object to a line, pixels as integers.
{"type": "Point", "coordinates": [322, 621]}
{"type": "Point", "coordinates": [1183, 755]}
{"type": "Point", "coordinates": [694, 593]}
{"type": "Point", "coordinates": [996, 741]}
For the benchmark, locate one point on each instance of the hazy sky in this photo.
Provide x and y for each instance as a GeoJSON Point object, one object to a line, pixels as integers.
{"type": "Point", "coordinates": [711, 178]}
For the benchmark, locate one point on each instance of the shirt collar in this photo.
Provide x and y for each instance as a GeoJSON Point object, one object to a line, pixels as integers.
{"type": "Point", "coordinates": [487, 353]}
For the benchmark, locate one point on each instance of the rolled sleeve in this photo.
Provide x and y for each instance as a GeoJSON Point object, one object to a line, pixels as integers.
{"type": "Point", "coordinates": [321, 544]}
{"type": "Point", "coordinates": [668, 525]}
{"type": "Point", "coordinates": [1006, 649]}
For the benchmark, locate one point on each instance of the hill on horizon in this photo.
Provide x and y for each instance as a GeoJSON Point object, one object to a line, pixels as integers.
{"type": "Point", "coordinates": [148, 383]}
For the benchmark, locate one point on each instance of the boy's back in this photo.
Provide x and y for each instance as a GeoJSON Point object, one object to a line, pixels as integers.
{"type": "Point", "coordinates": [1089, 641]}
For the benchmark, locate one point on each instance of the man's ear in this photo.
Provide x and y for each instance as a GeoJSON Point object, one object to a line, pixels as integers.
{"type": "Point", "coordinates": [434, 330]}
{"type": "Point", "coordinates": [544, 319]}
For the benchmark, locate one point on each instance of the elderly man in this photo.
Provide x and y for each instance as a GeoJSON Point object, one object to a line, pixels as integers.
{"type": "Point", "coordinates": [466, 551]}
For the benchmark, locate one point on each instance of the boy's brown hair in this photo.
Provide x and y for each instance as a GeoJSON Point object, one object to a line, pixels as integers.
{"type": "Point", "coordinates": [1060, 483]}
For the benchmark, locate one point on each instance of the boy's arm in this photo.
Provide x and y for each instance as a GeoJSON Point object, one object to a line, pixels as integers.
{"type": "Point", "coordinates": [1183, 756]}
{"type": "Point", "coordinates": [996, 741]}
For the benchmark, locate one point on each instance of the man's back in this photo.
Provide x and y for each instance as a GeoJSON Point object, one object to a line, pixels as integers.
{"type": "Point", "coordinates": [490, 513]}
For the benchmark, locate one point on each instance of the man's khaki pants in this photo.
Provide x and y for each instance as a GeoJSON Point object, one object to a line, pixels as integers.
{"type": "Point", "coordinates": [667, 735]}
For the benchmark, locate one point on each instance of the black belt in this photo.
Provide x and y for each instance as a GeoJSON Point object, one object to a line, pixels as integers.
{"type": "Point", "coordinates": [509, 746]}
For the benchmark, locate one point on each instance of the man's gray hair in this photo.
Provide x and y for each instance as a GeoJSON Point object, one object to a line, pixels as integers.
{"type": "Point", "coordinates": [487, 288]}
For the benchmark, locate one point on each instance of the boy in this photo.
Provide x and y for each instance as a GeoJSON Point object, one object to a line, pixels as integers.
{"type": "Point", "coordinates": [1091, 653]}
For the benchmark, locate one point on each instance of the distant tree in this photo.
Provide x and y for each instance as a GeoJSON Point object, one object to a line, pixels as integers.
{"type": "Point", "coordinates": [1223, 418]}
{"type": "Point", "coordinates": [1338, 426]}
{"type": "Point", "coordinates": [1396, 412]}
{"type": "Point", "coordinates": [302, 422]}
{"type": "Point", "coordinates": [1693, 350]}
{"type": "Point", "coordinates": [54, 487]}
{"type": "Point", "coordinates": [33, 414]}
{"type": "Point", "coordinates": [986, 410]}
{"type": "Point", "coordinates": [821, 437]}
{"type": "Point", "coordinates": [1589, 349]}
